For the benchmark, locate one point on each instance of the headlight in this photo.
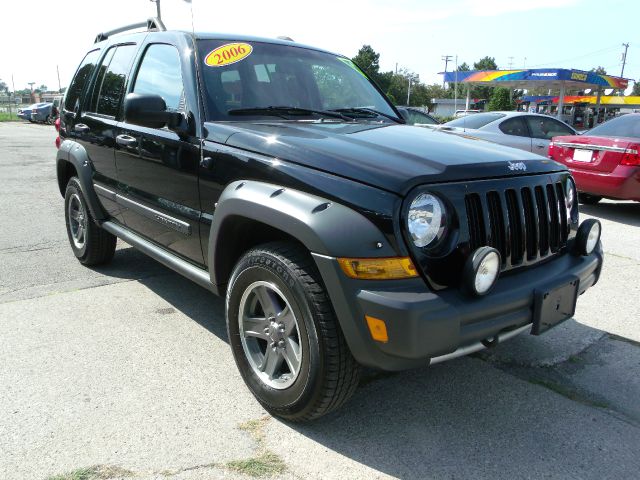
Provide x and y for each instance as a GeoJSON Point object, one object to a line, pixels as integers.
{"type": "Point", "coordinates": [425, 219]}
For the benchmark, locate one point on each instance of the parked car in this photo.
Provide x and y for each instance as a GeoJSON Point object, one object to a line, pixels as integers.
{"type": "Point", "coordinates": [527, 131]}
{"type": "Point", "coordinates": [464, 113]}
{"type": "Point", "coordinates": [415, 116]}
{"type": "Point", "coordinates": [605, 161]}
{"type": "Point", "coordinates": [43, 112]}
{"type": "Point", "coordinates": [25, 112]}
{"type": "Point", "coordinates": [278, 176]}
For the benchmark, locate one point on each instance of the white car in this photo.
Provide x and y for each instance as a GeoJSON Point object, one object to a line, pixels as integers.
{"type": "Point", "coordinates": [464, 113]}
{"type": "Point", "coordinates": [527, 131]}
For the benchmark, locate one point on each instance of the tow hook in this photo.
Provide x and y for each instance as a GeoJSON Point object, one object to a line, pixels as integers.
{"type": "Point", "coordinates": [491, 343]}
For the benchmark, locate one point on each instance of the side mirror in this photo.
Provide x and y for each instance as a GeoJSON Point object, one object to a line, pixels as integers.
{"type": "Point", "coordinates": [146, 110]}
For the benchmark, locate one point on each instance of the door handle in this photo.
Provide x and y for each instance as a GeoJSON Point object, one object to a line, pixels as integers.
{"type": "Point", "coordinates": [540, 146]}
{"type": "Point", "coordinates": [81, 128]}
{"type": "Point", "coordinates": [126, 141]}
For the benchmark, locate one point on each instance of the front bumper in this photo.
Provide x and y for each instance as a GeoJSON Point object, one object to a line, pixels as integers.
{"type": "Point", "coordinates": [622, 183]}
{"type": "Point", "coordinates": [424, 325]}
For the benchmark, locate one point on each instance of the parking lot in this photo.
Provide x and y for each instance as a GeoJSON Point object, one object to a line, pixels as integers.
{"type": "Point", "coordinates": [125, 370]}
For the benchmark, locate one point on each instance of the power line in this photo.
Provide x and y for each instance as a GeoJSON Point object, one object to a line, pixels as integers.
{"type": "Point", "coordinates": [556, 62]}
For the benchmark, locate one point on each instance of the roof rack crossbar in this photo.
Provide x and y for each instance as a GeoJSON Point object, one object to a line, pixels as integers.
{"type": "Point", "coordinates": [153, 25]}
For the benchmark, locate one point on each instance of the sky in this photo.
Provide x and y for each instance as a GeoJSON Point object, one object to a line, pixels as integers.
{"type": "Point", "coordinates": [413, 34]}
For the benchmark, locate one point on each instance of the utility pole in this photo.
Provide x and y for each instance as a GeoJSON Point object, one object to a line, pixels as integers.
{"type": "Point", "coordinates": [624, 57]}
{"type": "Point", "coordinates": [409, 92]}
{"type": "Point", "coordinates": [510, 62]}
{"type": "Point", "coordinates": [59, 84]}
{"type": "Point", "coordinates": [157, 2]}
{"type": "Point", "coordinates": [446, 59]}
{"type": "Point", "coordinates": [31, 84]}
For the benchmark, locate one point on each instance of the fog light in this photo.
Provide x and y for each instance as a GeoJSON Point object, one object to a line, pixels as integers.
{"type": "Point", "coordinates": [481, 270]}
{"type": "Point", "coordinates": [588, 236]}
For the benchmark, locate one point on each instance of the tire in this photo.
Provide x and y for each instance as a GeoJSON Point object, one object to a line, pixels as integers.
{"type": "Point", "coordinates": [588, 199]}
{"type": "Point", "coordinates": [302, 330]}
{"type": "Point", "coordinates": [90, 244]}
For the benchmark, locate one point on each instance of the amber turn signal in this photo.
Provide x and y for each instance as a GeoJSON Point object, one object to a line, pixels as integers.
{"type": "Point", "coordinates": [377, 328]}
{"type": "Point", "coordinates": [378, 268]}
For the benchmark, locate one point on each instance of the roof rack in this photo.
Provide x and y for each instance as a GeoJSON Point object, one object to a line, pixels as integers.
{"type": "Point", "coordinates": [153, 25]}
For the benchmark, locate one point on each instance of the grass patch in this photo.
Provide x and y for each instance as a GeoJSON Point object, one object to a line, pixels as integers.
{"type": "Point", "coordinates": [97, 472]}
{"type": "Point", "coordinates": [568, 393]}
{"type": "Point", "coordinates": [8, 117]}
{"type": "Point", "coordinates": [265, 464]}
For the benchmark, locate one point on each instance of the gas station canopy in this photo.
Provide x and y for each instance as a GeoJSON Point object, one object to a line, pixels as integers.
{"type": "Point", "coordinates": [551, 78]}
{"type": "Point", "coordinates": [538, 77]}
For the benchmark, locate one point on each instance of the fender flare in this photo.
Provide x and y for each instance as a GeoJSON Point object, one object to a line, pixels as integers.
{"type": "Point", "coordinates": [75, 154]}
{"type": "Point", "coordinates": [324, 227]}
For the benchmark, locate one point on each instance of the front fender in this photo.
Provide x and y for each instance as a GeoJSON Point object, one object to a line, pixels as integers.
{"type": "Point", "coordinates": [322, 226]}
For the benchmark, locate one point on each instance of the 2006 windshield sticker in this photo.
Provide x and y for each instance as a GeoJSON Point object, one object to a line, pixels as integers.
{"type": "Point", "coordinates": [228, 54]}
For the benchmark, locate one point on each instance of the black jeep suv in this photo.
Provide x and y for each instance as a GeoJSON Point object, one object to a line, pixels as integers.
{"type": "Point", "coordinates": [280, 176]}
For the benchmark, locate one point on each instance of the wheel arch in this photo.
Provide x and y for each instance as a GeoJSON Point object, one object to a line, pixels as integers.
{"type": "Point", "coordinates": [251, 213]}
{"type": "Point", "coordinates": [72, 160]}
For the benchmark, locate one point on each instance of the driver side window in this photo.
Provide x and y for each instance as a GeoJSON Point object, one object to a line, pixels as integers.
{"type": "Point", "coordinates": [160, 74]}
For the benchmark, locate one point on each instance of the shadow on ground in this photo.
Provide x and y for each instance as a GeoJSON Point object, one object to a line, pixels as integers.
{"type": "Point", "coordinates": [621, 212]}
{"type": "Point", "coordinates": [462, 419]}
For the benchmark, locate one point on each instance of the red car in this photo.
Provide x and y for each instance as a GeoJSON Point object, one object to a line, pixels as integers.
{"type": "Point", "coordinates": [605, 161]}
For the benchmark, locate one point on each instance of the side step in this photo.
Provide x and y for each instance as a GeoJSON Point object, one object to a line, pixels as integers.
{"type": "Point", "coordinates": [198, 275]}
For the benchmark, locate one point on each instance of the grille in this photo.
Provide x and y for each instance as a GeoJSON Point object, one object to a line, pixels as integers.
{"type": "Point", "coordinates": [525, 225]}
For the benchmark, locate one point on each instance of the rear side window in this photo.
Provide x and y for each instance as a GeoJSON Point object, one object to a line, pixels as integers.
{"type": "Point", "coordinates": [111, 79]}
{"type": "Point", "coordinates": [80, 80]}
{"type": "Point", "coordinates": [625, 126]}
{"type": "Point", "coordinates": [514, 126]}
{"type": "Point", "coordinates": [547, 128]}
{"type": "Point", "coordinates": [477, 120]}
{"type": "Point", "coordinates": [160, 74]}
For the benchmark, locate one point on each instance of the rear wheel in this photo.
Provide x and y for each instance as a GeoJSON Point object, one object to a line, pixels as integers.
{"type": "Point", "coordinates": [588, 199]}
{"type": "Point", "coordinates": [90, 244]}
{"type": "Point", "coordinates": [285, 338]}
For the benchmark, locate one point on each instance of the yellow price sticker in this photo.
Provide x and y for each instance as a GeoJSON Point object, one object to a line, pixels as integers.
{"type": "Point", "coordinates": [228, 54]}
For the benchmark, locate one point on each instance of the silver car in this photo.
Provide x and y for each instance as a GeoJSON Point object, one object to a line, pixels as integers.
{"type": "Point", "coordinates": [527, 131]}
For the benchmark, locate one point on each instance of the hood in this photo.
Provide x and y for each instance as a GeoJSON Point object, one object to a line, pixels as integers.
{"type": "Point", "coordinates": [392, 157]}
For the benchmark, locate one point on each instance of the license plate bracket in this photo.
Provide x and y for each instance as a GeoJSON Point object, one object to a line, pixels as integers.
{"type": "Point", "coordinates": [555, 305]}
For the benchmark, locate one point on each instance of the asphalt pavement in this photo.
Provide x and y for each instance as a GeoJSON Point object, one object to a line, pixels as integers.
{"type": "Point", "coordinates": [124, 371]}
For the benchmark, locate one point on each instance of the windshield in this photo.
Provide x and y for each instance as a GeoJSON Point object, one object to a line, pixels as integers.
{"type": "Point", "coordinates": [477, 120]}
{"type": "Point", "coordinates": [625, 126]}
{"type": "Point", "coordinates": [238, 76]}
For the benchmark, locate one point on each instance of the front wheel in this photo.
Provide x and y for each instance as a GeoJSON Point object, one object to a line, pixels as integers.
{"type": "Point", "coordinates": [284, 336]}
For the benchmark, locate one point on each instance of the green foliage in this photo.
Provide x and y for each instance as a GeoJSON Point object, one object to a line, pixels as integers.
{"type": "Point", "coordinates": [368, 60]}
{"type": "Point", "coordinates": [500, 100]}
{"type": "Point", "coordinates": [599, 70]}
{"type": "Point", "coordinates": [486, 63]}
{"type": "Point", "coordinates": [636, 89]}
{"type": "Point", "coordinates": [3, 86]}
{"type": "Point", "coordinates": [8, 117]}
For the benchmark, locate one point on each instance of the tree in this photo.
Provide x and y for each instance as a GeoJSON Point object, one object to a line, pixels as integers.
{"type": "Point", "coordinates": [599, 70]}
{"type": "Point", "coordinates": [486, 63]}
{"type": "Point", "coordinates": [368, 60]}
{"type": "Point", "coordinates": [3, 86]}
{"type": "Point", "coordinates": [636, 89]}
{"type": "Point", "coordinates": [500, 100]}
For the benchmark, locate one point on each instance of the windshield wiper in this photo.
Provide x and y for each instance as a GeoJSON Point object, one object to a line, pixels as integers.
{"type": "Point", "coordinates": [284, 111]}
{"type": "Point", "coordinates": [369, 111]}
